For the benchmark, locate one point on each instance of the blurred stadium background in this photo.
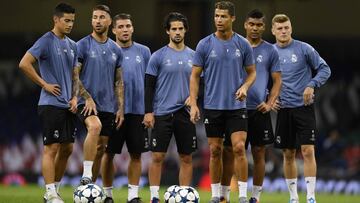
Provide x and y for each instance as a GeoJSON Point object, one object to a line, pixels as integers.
{"type": "Point", "coordinates": [330, 26]}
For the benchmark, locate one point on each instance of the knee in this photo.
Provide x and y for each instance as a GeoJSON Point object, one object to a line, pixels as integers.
{"type": "Point", "coordinates": [258, 153]}
{"type": "Point", "coordinates": [239, 149]}
{"type": "Point", "coordinates": [66, 150]}
{"type": "Point", "coordinates": [215, 151]}
{"type": "Point", "coordinates": [51, 150]}
{"type": "Point", "coordinates": [135, 157]}
{"type": "Point", "coordinates": [94, 127]}
{"type": "Point", "coordinates": [158, 158]}
{"type": "Point", "coordinates": [186, 159]}
{"type": "Point", "coordinates": [100, 149]}
{"type": "Point", "coordinates": [308, 152]}
{"type": "Point", "coordinates": [289, 155]}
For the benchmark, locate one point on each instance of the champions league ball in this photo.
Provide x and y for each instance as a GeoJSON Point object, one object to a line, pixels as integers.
{"type": "Point", "coordinates": [89, 193]}
{"type": "Point", "coordinates": [169, 195]}
{"type": "Point", "coordinates": [187, 195]}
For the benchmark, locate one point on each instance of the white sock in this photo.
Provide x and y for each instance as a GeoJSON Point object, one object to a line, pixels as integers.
{"type": "Point", "coordinates": [256, 191]}
{"type": "Point", "coordinates": [215, 190]}
{"type": "Point", "coordinates": [310, 187]}
{"type": "Point", "coordinates": [292, 186]}
{"type": "Point", "coordinates": [242, 189]}
{"type": "Point", "coordinates": [50, 189]}
{"type": "Point", "coordinates": [87, 172]}
{"type": "Point", "coordinates": [154, 192]}
{"type": "Point", "coordinates": [108, 191]}
{"type": "Point", "coordinates": [57, 186]}
{"type": "Point", "coordinates": [133, 191]}
{"type": "Point", "coordinates": [225, 192]}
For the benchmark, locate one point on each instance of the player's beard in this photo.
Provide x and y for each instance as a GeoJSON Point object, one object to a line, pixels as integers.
{"type": "Point", "coordinates": [177, 41]}
{"type": "Point", "coordinates": [100, 31]}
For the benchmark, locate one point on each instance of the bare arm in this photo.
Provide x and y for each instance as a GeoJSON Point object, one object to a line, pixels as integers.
{"type": "Point", "coordinates": [241, 93]}
{"type": "Point", "coordinates": [275, 89]}
{"type": "Point", "coordinates": [78, 89]}
{"type": "Point", "coordinates": [119, 92]}
{"type": "Point", "coordinates": [194, 91]}
{"type": "Point", "coordinates": [26, 65]}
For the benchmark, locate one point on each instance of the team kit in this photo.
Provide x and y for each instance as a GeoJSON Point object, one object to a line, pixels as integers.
{"type": "Point", "coordinates": [118, 90]}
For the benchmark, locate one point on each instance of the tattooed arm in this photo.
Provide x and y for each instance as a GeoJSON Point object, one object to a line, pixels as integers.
{"type": "Point", "coordinates": [78, 89]}
{"type": "Point", "coordinates": [119, 92]}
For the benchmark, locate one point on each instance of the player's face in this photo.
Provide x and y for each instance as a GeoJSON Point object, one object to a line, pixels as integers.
{"type": "Point", "coordinates": [282, 31]}
{"type": "Point", "coordinates": [100, 21]}
{"type": "Point", "coordinates": [254, 27]}
{"type": "Point", "coordinates": [123, 30]}
{"type": "Point", "coordinates": [223, 20]}
{"type": "Point", "coordinates": [65, 23]}
{"type": "Point", "coordinates": [176, 32]}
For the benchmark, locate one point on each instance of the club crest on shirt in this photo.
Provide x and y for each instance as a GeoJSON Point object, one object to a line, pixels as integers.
{"type": "Point", "coordinates": [293, 58]}
{"type": "Point", "coordinates": [189, 63]}
{"type": "Point", "coordinates": [259, 58]}
{"type": "Point", "coordinates": [113, 56]}
{"type": "Point", "coordinates": [138, 59]}
{"type": "Point", "coordinates": [237, 53]}
{"type": "Point", "coordinates": [72, 53]}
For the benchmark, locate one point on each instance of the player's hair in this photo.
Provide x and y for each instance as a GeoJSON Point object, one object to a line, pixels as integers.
{"type": "Point", "coordinates": [62, 8]}
{"type": "Point", "coordinates": [226, 5]}
{"type": "Point", "coordinates": [121, 16]}
{"type": "Point", "coordinates": [102, 7]}
{"type": "Point", "coordinates": [280, 18]}
{"type": "Point", "coordinates": [175, 16]}
{"type": "Point", "coordinates": [256, 13]}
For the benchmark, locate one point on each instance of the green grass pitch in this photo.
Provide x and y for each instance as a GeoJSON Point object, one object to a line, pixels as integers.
{"type": "Point", "coordinates": [34, 193]}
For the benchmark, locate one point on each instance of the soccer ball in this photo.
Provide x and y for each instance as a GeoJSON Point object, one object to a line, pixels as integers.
{"type": "Point", "coordinates": [169, 195]}
{"type": "Point", "coordinates": [89, 193]}
{"type": "Point", "coordinates": [187, 195]}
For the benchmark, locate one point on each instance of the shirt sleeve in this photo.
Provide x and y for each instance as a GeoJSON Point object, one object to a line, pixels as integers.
{"type": "Point", "coordinates": [274, 61]}
{"type": "Point", "coordinates": [81, 53]}
{"type": "Point", "coordinates": [120, 56]}
{"type": "Point", "coordinates": [153, 65]}
{"type": "Point", "coordinates": [38, 50]}
{"type": "Point", "coordinates": [199, 56]}
{"type": "Point", "coordinates": [248, 55]}
{"type": "Point", "coordinates": [318, 64]}
{"type": "Point", "coordinates": [146, 55]}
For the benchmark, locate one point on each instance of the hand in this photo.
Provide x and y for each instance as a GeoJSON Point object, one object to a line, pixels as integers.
{"type": "Point", "coordinates": [90, 107]}
{"type": "Point", "coordinates": [241, 93]}
{"type": "Point", "coordinates": [308, 96]}
{"type": "Point", "coordinates": [276, 106]}
{"type": "Point", "coordinates": [263, 107]}
{"type": "Point", "coordinates": [73, 105]}
{"type": "Point", "coordinates": [119, 119]}
{"type": "Point", "coordinates": [53, 89]}
{"type": "Point", "coordinates": [187, 101]}
{"type": "Point", "coordinates": [194, 114]}
{"type": "Point", "coordinates": [149, 120]}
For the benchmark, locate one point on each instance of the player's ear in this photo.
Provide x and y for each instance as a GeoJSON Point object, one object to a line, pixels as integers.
{"type": "Point", "coordinates": [233, 18]}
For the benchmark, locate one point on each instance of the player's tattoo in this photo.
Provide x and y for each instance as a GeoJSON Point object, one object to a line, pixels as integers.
{"type": "Point", "coordinates": [77, 87]}
{"type": "Point", "coordinates": [119, 89]}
